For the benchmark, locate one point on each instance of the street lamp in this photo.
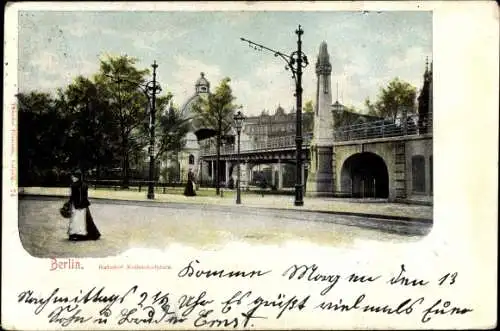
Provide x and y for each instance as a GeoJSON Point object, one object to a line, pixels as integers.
{"type": "Point", "coordinates": [337, 107]}
{"type": "Point", "coordinates": [238, 123]}
{"type": "Point", "coordinates": [296, 61]}
{"type": "Point", "coordinates": [150, 89]}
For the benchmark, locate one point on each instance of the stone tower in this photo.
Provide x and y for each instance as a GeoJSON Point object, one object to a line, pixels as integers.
{"type": "Point", "coordinates": [320, 180]}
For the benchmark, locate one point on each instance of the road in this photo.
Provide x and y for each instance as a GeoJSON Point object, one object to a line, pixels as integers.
{"type": "Point", "coordinates": [145, 224]}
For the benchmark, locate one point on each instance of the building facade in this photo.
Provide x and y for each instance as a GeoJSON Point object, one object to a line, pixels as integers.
{"type": "Point", "coordinates": [281, 123]}
{"type": "Point", "coordinates": [365, 156]}
{"type": "Point", "coordinates": [187, 159]}
{"type": "Point", "coordinates": [350, 154]}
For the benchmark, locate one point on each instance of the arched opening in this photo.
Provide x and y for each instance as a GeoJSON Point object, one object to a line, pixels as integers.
{"type": "Point", "coordinates": [365, 175]}
{"type": "Point", "coordinates": [191, 159]}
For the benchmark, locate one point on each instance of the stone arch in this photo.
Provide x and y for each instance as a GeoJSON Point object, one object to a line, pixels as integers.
{"type": "Point", "coordinates": [365, 175]}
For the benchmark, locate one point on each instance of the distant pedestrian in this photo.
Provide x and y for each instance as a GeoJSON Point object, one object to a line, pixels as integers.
{"type": "Point", "coordinates": [263, 185]}
{"type": "Point", "coordinates": [81, 225]}
{"type": "Point", "coordinates": [189, 190]}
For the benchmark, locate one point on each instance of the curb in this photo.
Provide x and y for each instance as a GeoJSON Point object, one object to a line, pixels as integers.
{"type": "Point", "coordinates": [404, 219]}
{"type": "Point", "coordinates": [414, 202]}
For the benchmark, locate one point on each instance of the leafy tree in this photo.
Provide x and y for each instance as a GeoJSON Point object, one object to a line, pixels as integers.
{"type": "Point", "coordinates": [170, 129]}
{"type": "Point", "coordinates": [391, 99]}
{"type": "Point", "coordinates": [41, 132]}
{"type": "Point", "coordinates": [309, 107]}
{"type": "Point", "coordinates": [92, 138]}
{"type": "Point", "coordinates": [308, 117]}
{"type": "Point", "coordinates": [216, 112]}
{"type": "Point", "coordinates": [119, 80]}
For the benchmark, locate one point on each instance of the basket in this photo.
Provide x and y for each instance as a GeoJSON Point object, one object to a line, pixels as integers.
{"type": "Point", "coordinates": [65, 210]}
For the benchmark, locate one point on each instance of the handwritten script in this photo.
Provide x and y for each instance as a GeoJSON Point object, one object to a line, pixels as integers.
{"type": "Point", "coordinates": [244, 308]}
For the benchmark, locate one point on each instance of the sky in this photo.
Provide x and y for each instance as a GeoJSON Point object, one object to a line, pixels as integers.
{"type": "Point", "coordinates": [367, 50]}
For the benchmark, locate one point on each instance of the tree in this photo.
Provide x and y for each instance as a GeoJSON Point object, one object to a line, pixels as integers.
{"type": "Point", "coordinates": [93, 137]}
{"type": "Point", "coordinates": [309, 107]}
{"type": "Point", "coordinates": [308, 117]}
{"type": "Point", "coordinates": [216, 112]}
{"type": "Point", "coordinates": [41, 130]}
{"type": "Point", "coordinates": [170, 130]}
{"type": "Point", "coordinates": [398, 94]}
{"type": "Point", "coordinates": [119, 80]}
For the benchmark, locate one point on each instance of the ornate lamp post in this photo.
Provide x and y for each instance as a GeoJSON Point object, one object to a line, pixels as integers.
{"type": "Point", "coordinates": [338, 107]}
{"type": "Point", "coordinates": [150, 89]}
{"type": "Point", "coordinates": [296, 61]}
{"type": "Point", "coordinates": [238, 123]}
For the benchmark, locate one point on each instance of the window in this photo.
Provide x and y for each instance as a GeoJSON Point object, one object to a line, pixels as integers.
{"type": "Point", "coordinates": [317, 158]}
{"type": "Point", "coordinates": [191, 159]}
{"type": "Point", "coordinates": [431, 174]}
{"type": "Point", "coordinates": [418, 173]}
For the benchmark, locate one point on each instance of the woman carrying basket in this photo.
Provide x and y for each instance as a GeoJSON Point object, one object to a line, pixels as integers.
{"type": "Point", "coordinates": [81, 225]}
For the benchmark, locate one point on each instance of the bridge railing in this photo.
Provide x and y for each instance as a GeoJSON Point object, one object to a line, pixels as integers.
{"type": "Point", "coordinates": [245, 146]}
{"type": "Point", "coordinates": [413, 124]}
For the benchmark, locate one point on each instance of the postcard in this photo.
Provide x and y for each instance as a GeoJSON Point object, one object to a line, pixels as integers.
{"type": "Point", "coordinates": [250, 165]}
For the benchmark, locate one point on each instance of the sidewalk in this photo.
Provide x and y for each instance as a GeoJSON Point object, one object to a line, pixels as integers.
{"type": "Point", "coordinates": [367, 208]}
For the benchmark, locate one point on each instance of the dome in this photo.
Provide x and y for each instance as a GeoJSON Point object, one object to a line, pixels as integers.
{"type": "Point", "coordinates": [202, 84]}
{"type": "Point", "coordinates": [279, 111]}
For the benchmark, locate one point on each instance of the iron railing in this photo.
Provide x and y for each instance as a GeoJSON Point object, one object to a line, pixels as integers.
{"type": "Point", "coordinates": [413, 124]}
{"type": "Point", "coordinates": [267, 145]}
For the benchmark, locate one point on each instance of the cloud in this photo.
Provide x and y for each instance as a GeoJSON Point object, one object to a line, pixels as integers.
{"type": "Point", "coordinates": [185, 74]}
{"type": "Point", "coordinates": [47, 62]}
{"type": "Point", "coordinates": [147, 39]}
{"type": "Point", "coordinates": [414, 56]}
{"type": "Point", "coordinates": [78, 29]}
{"type": "Point", "coordinates": [364, 56]}
{"type": "Point", "coordinates": [265, 88]}
{"type": "Point", "coordinates": [272, 86]}
{"type": "Point", "coordinates": [410, 65]}
{"type": "Point", "coordinates": [51, 70]}
{"type": "Point", "coordinates": [82, 67]}
{"type": "Point", "coordinates": [143, 44]}
{"type": "Point", "coordinates": [237, 18]}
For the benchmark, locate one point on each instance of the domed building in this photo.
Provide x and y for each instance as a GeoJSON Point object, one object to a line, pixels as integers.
{"type": "Point", "coordinates": [188, 158]}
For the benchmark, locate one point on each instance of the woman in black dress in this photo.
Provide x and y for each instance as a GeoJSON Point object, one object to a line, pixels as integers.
{"type": "Point", "coordinates": [81, 225]}
{"type": "Point", "coordinates": [189, 190]}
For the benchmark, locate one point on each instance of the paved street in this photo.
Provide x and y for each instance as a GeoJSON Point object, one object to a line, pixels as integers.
{"type": "Point", "coordinates": [206, 196]}
{"type": "Point", "coordinates": [127, 224]}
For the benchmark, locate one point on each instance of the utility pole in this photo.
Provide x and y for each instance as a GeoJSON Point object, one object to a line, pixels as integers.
{"type": "Point", "coordinates": [296, 61]}
{"type": "Point", "coordinates": [150, 89]}
{"type": "Point", "coordinates": [153, 90]}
